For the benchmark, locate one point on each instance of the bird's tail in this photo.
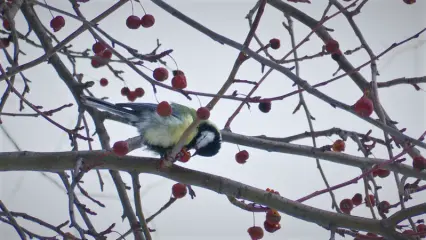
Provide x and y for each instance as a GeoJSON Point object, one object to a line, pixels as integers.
{"type": "Point", "coordinates": [109, 107]}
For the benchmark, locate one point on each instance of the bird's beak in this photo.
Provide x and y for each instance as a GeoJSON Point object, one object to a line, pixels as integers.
{"type": "Point", "coordinates": [195, 153]}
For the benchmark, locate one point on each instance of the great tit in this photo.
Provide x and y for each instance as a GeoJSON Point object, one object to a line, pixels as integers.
{"type": "Point", "coordinates": [160, 134]}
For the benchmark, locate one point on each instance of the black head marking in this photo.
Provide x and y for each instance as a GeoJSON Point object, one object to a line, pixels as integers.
{"type": "Point", "coordinates": [213, 147]}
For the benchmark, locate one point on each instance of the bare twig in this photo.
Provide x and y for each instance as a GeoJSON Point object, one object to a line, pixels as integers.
{"type": "Point", "coordinates": [13, 221]}
{"type": "Point", "coordinates": [138, 205]}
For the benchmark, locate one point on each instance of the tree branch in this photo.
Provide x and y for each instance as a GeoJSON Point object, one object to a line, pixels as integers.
{"type": "Point", "coordinates": [60, 161]}
{"type": "Point", "coordinates": [302, 83]}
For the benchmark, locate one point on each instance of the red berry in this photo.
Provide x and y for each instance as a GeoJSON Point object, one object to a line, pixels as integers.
{"type": "Point", "coordinates": [131, 96]}
{"type": "Point", "coordinates": [382, 173]}
{"type": "Point", "coordinates": [4, 43]}
{"type": "Point", "coordinates": [336, 55]}
{"type": "Point", "coordinates": [346, 205]}
{"type": "Point", "coordinates": [409, 1]}
{"type": "Point", "coordinates": [408, 232]}
{"type": "Point", "coordinates": [6, 25]}
{"type": "Point", "coordinates": [103, 82]}
{"type": "Point", "coordinates": [177, 72]}
{"type": "Point", "coordinates": [98, 47]}
{"type": "Point", "coordinates": [184, 156]}
{"type": "Point", "coordinates": [357, 199]}
{"type": "Point", "coordinates": [384, 207]}
{"type": "Point", "coordinates": [160, 74]}
{"type": "Point", "coordinates": [147, 21]}
{"type": "Point", "coordinates": [139, 92]}
{"type": "Point", "coordinates": [242, 156]}
{"type": "Point", "coordinates": [364, 106]}
{"type": "Point", "coordinates": [332, 46]}
{"type": "Point", "coordinates": [338, 145]}
{"type": "Point", "coordinates": [274, 43]}
{"type": "Point", "coordinates": [121, 148]}
{"type": "Point", "coordinates": [95, 63]}
{"type": "Point", "coordinates": [125, 91]}
{"type": "Point", "coordinates": [179, 81]}
{"type": "Point", "coordinates": [164, 109]}
{"type": "Point", "coordinates": [107, 54]}
{"type": "Point", "coordinates": [265, 107]}
{"type": "Point", "coordinates": [179, 190]}
{"type": "Point", "coordinates": [273, 216]}
{"type": "Point", "coordinates": [371, 235]}
{"type": "Point", "coordinates": [133, 22]}
{"type": "Point", "coordinates": [419, 163]}
{"type": "Point", "coordinates": [242, 57]}
{"type": "Point", "coordinates": [203, 113]}
{"type": "Point", "coordinates": [371, 197]}
{"type": "Point", "coordinates": [271, 227]}
{"type": "Point", "coordinates": [421, 228]}
{"type": "Point", "coordinates": [255, 232]}
{"type": "Point", "coordinates": [57, 23]}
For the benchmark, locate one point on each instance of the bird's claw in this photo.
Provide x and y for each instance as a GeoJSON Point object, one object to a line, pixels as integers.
{"type": "Point", "coordinates": [191, 192]}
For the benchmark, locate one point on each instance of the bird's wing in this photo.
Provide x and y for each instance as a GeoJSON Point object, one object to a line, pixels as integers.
{"type": "Point", "coordinates": [144, 107]}
{"type": "Point", "coordinates": [109, 107]}
{"type": "Point", "coordinates": [162, 131]}
{"type": "Point", "coordinates": [182, 110]}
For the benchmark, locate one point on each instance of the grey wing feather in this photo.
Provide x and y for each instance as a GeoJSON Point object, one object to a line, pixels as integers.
{"type": "Point", "coordinates": [106, 106]}
{"type": "Point", "coordinates": [139, 107]}
{"type": "Point", "coordinates": [144, 107]}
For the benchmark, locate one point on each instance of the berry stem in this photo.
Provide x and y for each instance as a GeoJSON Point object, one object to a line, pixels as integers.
{"type": "Point", "coordinates": [254, 219]}
{"type": "Point", "coordinates": [177, 67]}
{"type": "Point", "coordinates": [199, 101]}
{"type": "Point", "coordinates": [143, 9]}
{"type": "Point", "coordinates": [49, 9]}
{"type": "Point", "coordinates": [133, 11]}
{"type": "Point", "coordinates": [331, 140]}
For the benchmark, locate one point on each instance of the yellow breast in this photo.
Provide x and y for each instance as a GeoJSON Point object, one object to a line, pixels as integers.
{"type": "Point", "coordinates": [168, 135]}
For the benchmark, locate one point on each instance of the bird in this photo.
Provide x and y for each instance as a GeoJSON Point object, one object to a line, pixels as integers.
{"type": "Point", "coordinates": [160, 134]}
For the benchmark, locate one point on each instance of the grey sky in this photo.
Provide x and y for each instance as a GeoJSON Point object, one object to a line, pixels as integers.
{"type": "Point", "coordinates": [207, 64]}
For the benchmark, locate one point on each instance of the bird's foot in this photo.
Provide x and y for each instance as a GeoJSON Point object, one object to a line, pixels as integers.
{"type": "Point", "coordinates": [191, 192]}
{"type": "Point", "coordinates": [165, 161]}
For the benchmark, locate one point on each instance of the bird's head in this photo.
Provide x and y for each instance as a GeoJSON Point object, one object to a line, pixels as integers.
{"type": "Point", "coordinates": [208, 140]}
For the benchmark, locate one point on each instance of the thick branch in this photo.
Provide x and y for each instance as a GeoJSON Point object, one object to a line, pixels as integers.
{"type": "Point", "coordinates": [402, 80]}
{"type": "Point", "coordinates": [33, 161]}
{"type": "Point", "coordinates": [406, 213]}
{"type": "Point", "coordinates": [302, 150]}
{"type": "Point", "coordinates": [296, 149]}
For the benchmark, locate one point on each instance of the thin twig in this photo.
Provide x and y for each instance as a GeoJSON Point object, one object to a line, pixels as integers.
{"type": "Point", "coordinates": [13, 221]}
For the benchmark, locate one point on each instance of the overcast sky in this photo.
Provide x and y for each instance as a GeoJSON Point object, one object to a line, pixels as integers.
{"type": "Point", "coordinates": [207, 65]}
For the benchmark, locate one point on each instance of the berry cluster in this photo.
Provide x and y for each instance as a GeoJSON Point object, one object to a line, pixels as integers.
{"type": "Point", "coordinates": [134, 22]}
{"type": "Point", "coordinates": [271, 223]}
{"type": "Point", "coordinates": [178, 81]}
{"type": "Point", "coordinates": [332, 46]}
{"type": "Point", "coordinates": [347, 205]}
{"type": "Point", "coordinates": [132, 95]}
{"type": "Point", "coordinates": [102, 55]}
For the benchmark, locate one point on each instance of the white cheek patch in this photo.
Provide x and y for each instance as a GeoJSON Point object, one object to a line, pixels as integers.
{"type": "Point", "coordinates": [205, 138]}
